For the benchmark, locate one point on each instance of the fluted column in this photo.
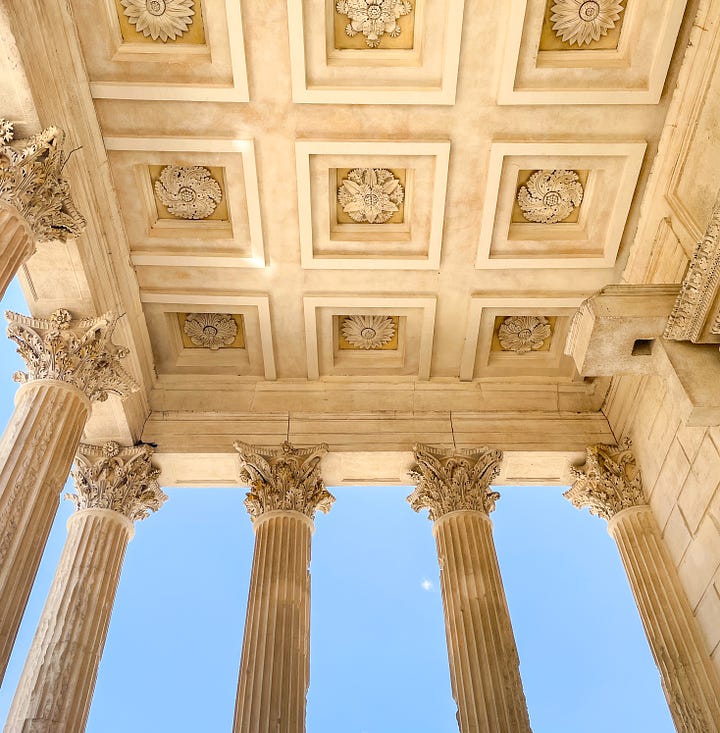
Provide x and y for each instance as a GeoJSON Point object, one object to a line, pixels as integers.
{"type": "Point", "coordinates": [286, 490]}
{"type": "Point", "coordinates": [115, 487]}
{"type": "Point", "coordinates": [484, 663]}
{"type": "Point", "coordinates": [35, 202]}
{"type": "Point", "coordinates": [70, 364]}
{"type": "Point", "coordinates": [609, 483]}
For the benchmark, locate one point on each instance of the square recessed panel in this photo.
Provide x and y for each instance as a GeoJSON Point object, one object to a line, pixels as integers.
{"type": "Point", "coordinates": [250, 353]}
{"type": "Point", "coordinates": [219, 178]}
{"type": "Point", "coordinates": [517, 337]}
{"type": "Point", "coordinates": [398, 332]}
{"type": "Point", "coordinates": [371, 205]}
{"type": "Point", "coordinates": [541, 68]}
{"type": "Point", "coordinates": [132, 53]}
{"type": "Point", "coordinates": [416, 63]}
{"type": "Point", "coordinates": [572, 208]}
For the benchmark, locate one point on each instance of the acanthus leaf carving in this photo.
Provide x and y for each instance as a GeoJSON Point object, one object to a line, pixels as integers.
{"type": "Point", "coordinates": [188, 192]}
{"type": "Point", "coordinates": [550, 196]}
{"type": "Point", "coordinates": [522, 334]}
{"type": "Point", "coordinates": [452, 480]}
{"type": "Point", "coordinates": [211, 330]}
{"type": "Point", "coordinates": [284, 478]}
{"type": "Point", "coordinates": [78, 352]}
{"type": "Point", "coordinates": [373, 18]}
{"type": "Point", "coordinates": [370, 195]}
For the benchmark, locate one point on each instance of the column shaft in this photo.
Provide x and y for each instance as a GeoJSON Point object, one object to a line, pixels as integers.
{"type": "Point", "coordinates": [690, 681]}
{"type": "Point", "coordinates": [57, 682]}
{"type": "Point", "coordinates": [275, 664]}
{"type": "Point", "coordinates": [17, 243]}
{"type": "Point", "coordinates": [36, 452]}
{"type": "Point", "coordinates": [484, 664]}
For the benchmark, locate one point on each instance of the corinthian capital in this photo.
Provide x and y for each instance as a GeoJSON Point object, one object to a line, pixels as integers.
{"type": "Point", "coordinates": [284, 478]}
{"type": "Point", "coordinates": [117, 478]}
{"type": "Point", "coordinates": [31, 180]}
{"type": "Point", "coordinates": [79, 352]}
{"type": "Point", "coordinates": [608, 482]}
{"type": "Point", "coordinates": [448, 480]}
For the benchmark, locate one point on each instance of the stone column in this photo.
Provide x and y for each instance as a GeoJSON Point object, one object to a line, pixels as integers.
{"type": "Point", "coordinates": [609, 483]}
{"type": "Point", "coordinates": [286, 490]}
{"type": "Point", "coordinates": [115, 487]}
{"type": "Point", "coordinates": [35, 202]}
{"type": "Point", "coordinates": [70, 364]}
{"type": "Point", "coordinates": [484, 663]}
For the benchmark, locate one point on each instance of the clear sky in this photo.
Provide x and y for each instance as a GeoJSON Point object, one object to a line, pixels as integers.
{"type": "Point", "coordinates": [378, 659]}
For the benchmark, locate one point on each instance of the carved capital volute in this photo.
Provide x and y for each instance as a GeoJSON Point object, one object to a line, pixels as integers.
{"type": "Point", "coordinates": [451, 480]}
{"type": "Point", "coordinates": [31, 180]}
{"type": "Point", "coordinates": [608, 482]}
{"type": "Point", "coordinates": [285, 478]}
{"type": "Point", "coordinates": [78, 352]}
{"type": "Point", "coordinates": [117, 478]}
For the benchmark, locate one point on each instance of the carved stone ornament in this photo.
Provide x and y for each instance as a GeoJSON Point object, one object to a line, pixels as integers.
{"type": "Point", "coordinates": [31, 180]}
{"type": "Point", "coordinates": [117, 478]}
{"type": "Point", "coordinates": [188, 192]}
{"type": "Point", "coordinates": [450, 480]}
{"type": "Point", "coordinates": [80, 352]}
{"type": "Point", "coordinates": [524, 333]}
{"type": "Point", "coordinates": [550, 197]}
{"type": "Point", "coordinates": [368, 332]}
{"type": "Point", "coordinates": [584, 21]}
{"type": "Point", "coordinates": [370, 195]}
{"type": "Point", "coordinates": [285, 478]}
{"type": "Point", "coordinates": [700, 286]}
{"type": "Point", "coordinates": [163, 20]}
{"type": "Point", "coordinates": [211, 330]}
{"type": "Point", "coordinates": [608, 482]}
{"type": "Point", "coordinates": [373, 18]}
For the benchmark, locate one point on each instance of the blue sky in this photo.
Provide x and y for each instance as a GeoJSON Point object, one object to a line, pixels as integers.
{"type": "Point", "coordinates": [378, 659]}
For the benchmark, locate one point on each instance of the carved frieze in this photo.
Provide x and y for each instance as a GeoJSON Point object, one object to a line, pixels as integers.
{"type": "Point", "coordinates": [79, 352]}
{"type": "Point", "coordinates": [31, 180]}
{"type": "Point", "coordinates": [119, 478]}
{"type": "Point", "coordinates": [163, 20]}
{"type": "Point", "coordinates": [450, 480]}
{"type": "Point", "coordinates": [550, 196]}
{"type": "Point", "coordinates": [370, 195]}
{"type": "Point", "coordinates": [373, 18]}
{"type": "Point", "coordinates": [584, 21]}
{"type": "Point", "coordinates": [522, 334]}
{"type": "Point", "coordinates": [285, 478]}
{"type": "Point", "coordinates": [368, 332]}
{"type": "Point", "coordinates": [211, 330]}
{"type": "Point", "coordinates": [608, 482]}
{"type": "Point", "coordinates": [188, 192]}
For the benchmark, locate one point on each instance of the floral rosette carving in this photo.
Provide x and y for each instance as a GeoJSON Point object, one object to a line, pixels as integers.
{"type": "Point", "coordinates": [31, 180]}
{"type": "Point", "coordinates": [188, 192]}
{"type": "Point", "coordinates": [584, 21]}
{"type": "Point", "coordinates": [370, 195]}
{"type": "Point", "coordinates": [211, 330]}
{"type": "Point", "coordinates": [524, 333]}
{"type": "Point", "coordinates": [549, 197]}
{"type": "Point", "coordinates": [373, 18]}
{"type": "Point", "coordinates": [163, 20]}
{"type": "Point", "coordinates": [368, 332]}
{"type": "Point", "coordinates": [80, 352]}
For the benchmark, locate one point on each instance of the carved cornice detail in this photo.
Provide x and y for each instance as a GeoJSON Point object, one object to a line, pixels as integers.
{"type": "Point", "coordinates": [608, 482]}
{"type": "Point", "coordinates": [699, 287]}
{"type": "Point", "coordinates": [284, 478]}
{"type": "Point", "coordinates": [451, 480]}
{"type": "Point", "coordinates": [118, 478]}
{"type": "Point", "coordinates": [79, 352]}
{"type": "Point", "coordinates": [373, 18]}
{"type": "Point", "coordinates": [31, 181]}
{"type": "Point", "coordinates": [550, 197]}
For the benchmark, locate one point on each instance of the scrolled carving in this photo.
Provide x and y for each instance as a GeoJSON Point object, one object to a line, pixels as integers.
{"type": "Point", "coordinates": [31, 181]}
{"type": "Point", "coordinates": [608, 482]}
{"type": "Point", "coordinates": [80, 352]}
{"type": "Point", "coordinates": [285, 478]}
{"type": "Point", "coordinates": [188, 192]}
{"type": "Point", "coordinates": [550, 197]}
{"type": "Point", "coordinates": [119, 478]}
{"type": "Point", "coordinates": [584, 21]}
{"type": "Point", "coordinates": [450, 480]}
{"type": "Point", "coordinates": [370, 195]}
{"type": "Point", "coordinates": [373, 18]}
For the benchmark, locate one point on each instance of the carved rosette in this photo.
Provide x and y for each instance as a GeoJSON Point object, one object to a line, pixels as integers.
{"type": "Point", "coordinates": [368, 332]}
{"type": "Point", "coordinates": [373, 18]}
{"type": "Point", "coordinates": [211, 330]}
{"type": "Point", "coordinates": [188, 192]}
{"type": "Point", "coordinates": [163, 20]}
{"type": "Point", "coordinates": [285, 478]}
{"type": "Point", "coordinates": [550, 197]}
{"type": "Point", "coordinates": [524, 333]}
{"type": "Point", "coordinates": [584, 21]}
{"type": "Point", "coordinates": [31, 181]}
{"type": "Point", "coordinates": [608, 482]}
{"type": "Point", "coordinates": [370, 195]}
{"type": "Point", "coordinates": [118, 478]}
{"type": "Point", "coordinates": [79, 352]}
{"type": "Point", "coordinates": [448, 481]}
